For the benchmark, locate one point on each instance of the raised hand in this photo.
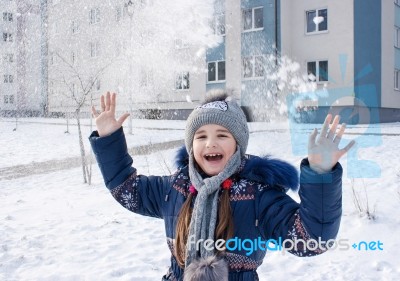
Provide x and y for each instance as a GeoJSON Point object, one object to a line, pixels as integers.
{"type": "Point", "coordinates": [324, 152]}
{"type": "Point", "coordinates": [105, 121]}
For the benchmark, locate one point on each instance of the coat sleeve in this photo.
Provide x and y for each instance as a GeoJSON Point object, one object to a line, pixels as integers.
{"type": "Point", "coordinates": [317, 217]}
{"type": "Point", "coordinates": [140, 194]}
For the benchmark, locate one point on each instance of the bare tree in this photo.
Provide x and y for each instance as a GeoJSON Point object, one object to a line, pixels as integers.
{"type": "Point", "coordinates": [79, 87]}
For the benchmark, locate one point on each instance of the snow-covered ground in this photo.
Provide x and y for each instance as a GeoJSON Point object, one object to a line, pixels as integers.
{"type": "Point", "coordinates": [54, 227]}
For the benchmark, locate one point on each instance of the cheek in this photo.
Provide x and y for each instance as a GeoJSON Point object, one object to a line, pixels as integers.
{"type": "Point", "coordinates": [196, 150]}
{"type": "Point", "coordinates": [232, 147]}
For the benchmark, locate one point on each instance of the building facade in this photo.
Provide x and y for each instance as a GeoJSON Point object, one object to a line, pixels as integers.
{"type": "Point", "coordinates": [20, 55]}
{"type": "Point", "coordinates": [349, 49]}
{"type": "Point", "coordinates": [98, 46]}
{"type": "Point", "coordinates": [346, 48]}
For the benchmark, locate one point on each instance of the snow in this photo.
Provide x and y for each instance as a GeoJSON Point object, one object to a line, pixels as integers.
{"type": "Point", "coordinates": [54, 227]}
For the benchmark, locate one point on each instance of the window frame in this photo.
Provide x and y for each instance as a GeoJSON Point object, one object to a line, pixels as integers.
{"type": "Point", "coordinates": [146, 78]}
{"type": "Point", "coordinates": [317, 71]}
{"type": "Point", "coordinates": [180, 76]}
{"type": "Point", "coordinates": [217, 23]}
{"type": "Point", "coordinates": [8, 99]}
{"type": "Point", "coordinates": [8, 57]}
{"type": "Point", "coordinates": [317, 31]}
{"type": "Point", "coordinates": [94, 14]}
{"type": "Point", "coordinates": [396, 79]}
{"type": "Point", "coordinates": [94, 49]}
{"type": "Point", "coordinates": [180, 44]}
{"type": "Point", "coordinates": [8, 17]}
{"type": "Point", "coordinates": [217, 80]}
{"type": "Point", "coordinates": [8, 78]}
{"type": "Point", "coordinates": [252, 60]}
{"type": "Point", "coordinates": [252, 19]}
{"type": "Point", "coordinates": [75, 27]}
{"type": "Point", "coordinates": [7, 37]}
{"type": "Point", "coordinates": [396, 36]}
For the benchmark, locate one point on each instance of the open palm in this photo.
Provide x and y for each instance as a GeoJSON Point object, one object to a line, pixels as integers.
{"type": "Point", "coordinates": [324, 152]}
{"type": "Point", "coordinates": [105, 121]}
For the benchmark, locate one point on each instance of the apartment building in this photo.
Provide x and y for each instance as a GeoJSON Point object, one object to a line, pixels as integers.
{"type": "Point", "coordinates": [20, 55]}
{"type": "Point", "coordinates": [98, 46]}
{"type": "Point", "coordinates": [349, 49]}
{"type": "Point", "coordinates": [346, 47]}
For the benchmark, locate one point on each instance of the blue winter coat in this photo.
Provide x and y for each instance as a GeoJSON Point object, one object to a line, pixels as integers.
{"type": "Point", "coordinates": [261, 208]}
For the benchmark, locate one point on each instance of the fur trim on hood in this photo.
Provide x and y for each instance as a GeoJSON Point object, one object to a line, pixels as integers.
{"type": "Point", "coordinates": [273, 172]}
{"type": "Point", "coordinates": [207, 269]}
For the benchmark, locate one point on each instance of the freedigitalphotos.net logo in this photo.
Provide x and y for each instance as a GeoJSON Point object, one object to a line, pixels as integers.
{"type": "Point", "coordinates": [283, 245]}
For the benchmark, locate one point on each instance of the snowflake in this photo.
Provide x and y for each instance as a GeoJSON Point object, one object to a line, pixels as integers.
{"type": "Point", "coordinates": [240, 186]}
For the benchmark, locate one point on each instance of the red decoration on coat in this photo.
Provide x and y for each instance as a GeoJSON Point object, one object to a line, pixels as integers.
{"type": "Point", "coordinates": [193, 190]}
{"type": "Point", "coordinates": [226, 184]}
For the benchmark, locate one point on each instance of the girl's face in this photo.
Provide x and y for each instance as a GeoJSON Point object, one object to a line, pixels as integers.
{"type": "Point", "coordinates": [213, 146]}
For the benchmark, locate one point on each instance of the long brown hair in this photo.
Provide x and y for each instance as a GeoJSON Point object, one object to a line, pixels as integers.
{"type": "Point", "coordinates": [224, 229]}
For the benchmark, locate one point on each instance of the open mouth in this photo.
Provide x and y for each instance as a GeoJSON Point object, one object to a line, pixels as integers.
{"type": "Point", "coordinates": [213, 157]}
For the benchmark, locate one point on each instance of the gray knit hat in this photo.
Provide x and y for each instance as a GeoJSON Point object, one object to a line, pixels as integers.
{"type": "Point", "coordinates": [219, 109]}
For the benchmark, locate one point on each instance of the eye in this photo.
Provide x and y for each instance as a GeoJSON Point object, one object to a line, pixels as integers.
{"type": "Point", "coordinates": [200, 137]}
{"type": "Point", "coordinates": [223, 136]}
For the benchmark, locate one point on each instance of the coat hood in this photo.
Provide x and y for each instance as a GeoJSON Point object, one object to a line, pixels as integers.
{"type": "Point", "coordinates": [265, 170]}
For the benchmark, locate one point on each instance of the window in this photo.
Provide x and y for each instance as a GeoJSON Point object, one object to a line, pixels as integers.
{"type": "Point", "coordinates": [8, 58]}
{"type": "Point", "coordinates": [397, 36]}
{"type": "Point", "coordinates": [317, 71]}
{"type": "Point", "coordinates": [94, 49]}
{"type": "Point", "coordinates": [7, 17]}
{"type": "Point", "coordinates": [74, 26]}
{"type": "Point", "coordinates": [8, 78]}
{"type": "Point", "coordinates": [182, 81]}
{"type": "Point", "coordinates": [73, 58]}
{"type": "Point", "coordinates": [253, 19]}
{"type": "Point", "coordinates": [98, 84]}
{"type": "Point", "coordinates": [118, 13]}
{"type": "Point", "coordinates": [218, 24]}
{"type": "Point", "coordinates": [216, 71]}
{"type": "Point", "coordinates": [94, 15]}
{"type": "Point", "coordinates": [317, 20]}
{"type": "Point", "coordinates": [54, 28]}
{"type": "Point", "coordinates": [253, 66]}
{"type": "Point", "coordinates": [396, 79]}
{"type": "Point", "coordinates": [146, 78]}
{"type": "Point", "coordinates": [53, 58]}
{"type": "Point", "coordinates": [7, 37]}
{"type": "Point", "coordinates": [180, 44]}
{"type": "Point", "coordinates": [9, 99]}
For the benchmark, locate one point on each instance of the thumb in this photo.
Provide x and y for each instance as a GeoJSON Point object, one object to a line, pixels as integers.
{"type": "Point", "coordinates": [123, 118]}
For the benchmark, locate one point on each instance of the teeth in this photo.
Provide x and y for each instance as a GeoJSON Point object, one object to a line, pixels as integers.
{"type": "Point", "coordinates": [212, 155]}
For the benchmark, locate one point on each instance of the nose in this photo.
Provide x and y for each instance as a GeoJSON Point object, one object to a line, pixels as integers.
{"type": "Point", "coordinates": [210, 143]}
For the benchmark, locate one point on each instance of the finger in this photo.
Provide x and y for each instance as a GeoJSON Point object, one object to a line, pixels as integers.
{"type": "Point", "coordinates": [94, 112]}
{"type": "Point", "coordinates": [108, 101]}
{"type": "Point", "coordinates": [340, 133]}
{"type": "Point", "coordinates": [333, 128]}
{"type": "Point", "coordinates": [344, 150]}
{"type": "Point", "coordinates": [312, 137]}
{"type": "Point", "coordinates": [103, 105]}
{"type": "Point", "coordinates": [112, 106]}
{"type": "Point", "coordinates": [325, 126]}
{"type": "Point", "coordinates": [123, 118]}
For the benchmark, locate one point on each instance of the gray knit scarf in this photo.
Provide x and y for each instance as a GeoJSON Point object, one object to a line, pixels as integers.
{"type": "Point", "coordinates": [205, 210]}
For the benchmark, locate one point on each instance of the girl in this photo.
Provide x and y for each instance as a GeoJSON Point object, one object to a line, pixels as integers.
{"type": "Point", "coordinates": [221, 205]}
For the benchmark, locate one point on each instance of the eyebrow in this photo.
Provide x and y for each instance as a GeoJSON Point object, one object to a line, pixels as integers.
{"type": "Point", "coordinates": [218, 131]}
